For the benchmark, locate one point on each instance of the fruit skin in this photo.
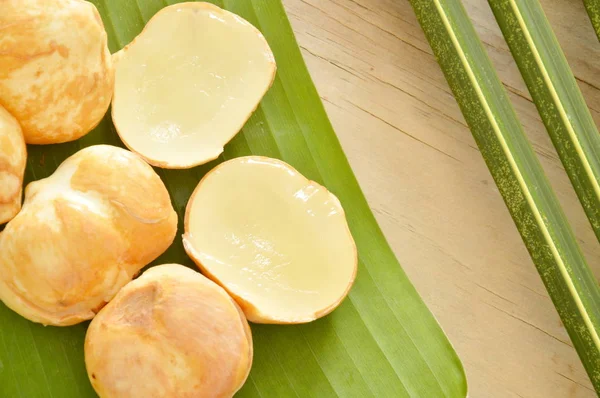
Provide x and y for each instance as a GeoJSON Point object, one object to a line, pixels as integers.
{"type": "Point", "coordinates": [83, 233]}
{"type": "Point", "coordinates": [170, 333]}
{"type": "Point", "coordinates": [13, 158]}
{"type": "Point", "coordinates": [56, 72]}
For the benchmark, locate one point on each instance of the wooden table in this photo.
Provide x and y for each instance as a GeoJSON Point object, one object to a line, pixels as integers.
{"type": "Point", "coordinates": [431, 191]}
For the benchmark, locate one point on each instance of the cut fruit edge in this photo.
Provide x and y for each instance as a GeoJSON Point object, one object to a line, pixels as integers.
{"type": "Point", "coordinates": [252, 313]}
{"type": "Point", "coordinates": [117, 56]}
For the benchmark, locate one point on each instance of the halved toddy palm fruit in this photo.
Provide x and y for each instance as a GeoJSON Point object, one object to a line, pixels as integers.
{"type": "Point", "coordinates": [277, 242]}
{"type": "Point", "coordinates": [188, 83]}
{"type": "Point", "coordinates": [83, 233]}
{"type": "Point", "coordinates": [170, 333]}
{"type": "Point", "coordinates": [13, 157]}
{"type": "Point", "coordinates": [56, 72]}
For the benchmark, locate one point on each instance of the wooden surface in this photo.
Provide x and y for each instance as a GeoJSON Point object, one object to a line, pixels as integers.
{"type": "Point", "coordinates": [431, 191]}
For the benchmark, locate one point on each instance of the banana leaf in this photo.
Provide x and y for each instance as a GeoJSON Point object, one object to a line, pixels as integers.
{"type": "Point", "coordinates": [517, 173]}
{"type": "Point", "coordinates": [381, 342]}
{"type": "Point", "coordinates": [593, 9]}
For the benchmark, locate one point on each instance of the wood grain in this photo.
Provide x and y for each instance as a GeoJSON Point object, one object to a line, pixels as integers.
{"type": "Point", "coordinates": [431, 191]}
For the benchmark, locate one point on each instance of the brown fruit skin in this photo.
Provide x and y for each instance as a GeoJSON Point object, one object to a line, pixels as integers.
{"type": "Point", "coordinates": [13, 158]}
{"type": "Point", "coordinates": [56, 72]}
{"type": "Point", "coordinates": [171, 333]}
{"type": "Point", "coordinates": [82, 234]}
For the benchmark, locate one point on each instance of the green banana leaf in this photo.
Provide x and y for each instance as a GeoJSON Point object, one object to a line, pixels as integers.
{"type": "Point", "coordinates": [517, 173]}
{"type": "Point", "coordinates": [381, 342]}
{"type": "Point", "coordinates": [593, 9]}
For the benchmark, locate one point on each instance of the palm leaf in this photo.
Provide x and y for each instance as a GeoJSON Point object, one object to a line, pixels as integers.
{"type": "Point", "coordinates": [556, 95]}
{"type": "Point", "coordinates": [381, 342]}
{"type": "Point", "coordinates": [518, 174]}
{"type": "Point", "coordinates": [593, 9]}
